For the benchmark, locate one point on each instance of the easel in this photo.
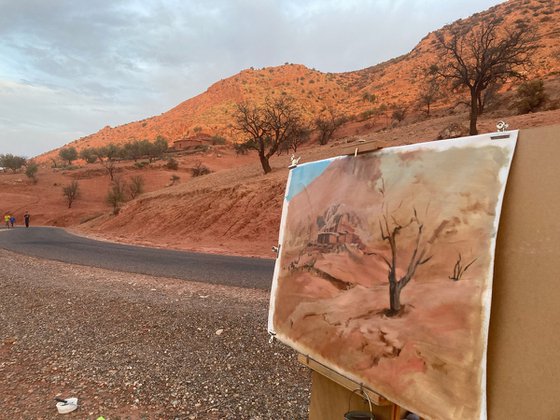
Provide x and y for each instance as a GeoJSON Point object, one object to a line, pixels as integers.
{"type": "Point", "coordinates": [524, 338]}
{"type": "Point", "coordinates": [332, 395]}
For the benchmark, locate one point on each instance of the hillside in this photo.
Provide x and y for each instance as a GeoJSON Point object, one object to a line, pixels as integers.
{"type": "Point", "coordinates": [236, 209]}
{"type": "Point", "coordinates": [395, 83]}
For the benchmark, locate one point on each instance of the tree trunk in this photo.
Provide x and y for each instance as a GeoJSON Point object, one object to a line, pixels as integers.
{"type": "Point", "coordinates": [394, 298]}
{"type": "Point", "coordinates": [264, 163]}
{"type": "Point", "coordinates": [480, 102]}
{"type": "Point", "coordinates": [474, 112]}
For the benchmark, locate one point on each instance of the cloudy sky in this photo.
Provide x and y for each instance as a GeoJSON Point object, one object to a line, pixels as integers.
{"type": "Point", "coordinates": [70, 67]}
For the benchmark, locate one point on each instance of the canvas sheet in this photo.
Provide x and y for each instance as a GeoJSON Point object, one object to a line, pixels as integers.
{"type": "Point", "coordinates": [385, 269]}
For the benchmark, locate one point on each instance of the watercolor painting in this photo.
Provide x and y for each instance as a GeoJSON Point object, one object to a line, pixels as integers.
{"type": "Point", "coordinates": [385, 269]}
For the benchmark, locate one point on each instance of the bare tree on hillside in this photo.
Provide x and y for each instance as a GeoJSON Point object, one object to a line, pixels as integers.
{"type": "Point", "coordinates": [116, 194]}
{"type": "Point", "coordinates": [327, 124]}
{"type": "Point", "coordinates": [300, 137]}
{"type": "Point", "coordinates": [136, 186]}
{"type": "Point", "coordinates": [108, 155]}
{"type": "Point", "coordinates": [268, 126]}
{"type": "Point", "coordinates": [429, 94]}
{"type": "Point", "coordinates": [475, 58]}
{"type": "Point", "coordinates": [71, 192]}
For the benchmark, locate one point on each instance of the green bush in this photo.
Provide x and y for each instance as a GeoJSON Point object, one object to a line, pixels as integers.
{"type": "Point", "coordinates": [31, 171]}
{"type": "Point", "coordinates": [530, 96]}
{"type": "Point", "coordinates": [241, 148]}
{"type": "Point", "coordinates": [9, 161]}
{"type": "Point", "coordinates": [172, 164]}
{"type": "Point", "coordinates": [199, 170]}
{"type": "Point", "coordinates": [68, 154]}
{"type": "Point", "coordinates": [218, 140]}
{"type": "Point", "coordinates": [135, 186]}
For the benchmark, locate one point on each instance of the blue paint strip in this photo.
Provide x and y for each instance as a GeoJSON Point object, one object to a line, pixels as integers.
{"type": "Point", "coordinates": [304, 174]}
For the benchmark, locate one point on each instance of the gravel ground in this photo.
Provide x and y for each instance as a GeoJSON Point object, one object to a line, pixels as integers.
{"type": "Point", "coordinates": [131, 346]}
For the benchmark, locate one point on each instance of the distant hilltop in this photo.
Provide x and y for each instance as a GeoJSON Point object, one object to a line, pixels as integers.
{"type": "Point", "coordinates": [368, 97]}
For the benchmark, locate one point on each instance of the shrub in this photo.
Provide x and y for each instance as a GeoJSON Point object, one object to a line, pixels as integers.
{"type": "Point", "coordinates": [369, 97]}
{"type": "Point", "coordinates": [69, 167]}
{"type": "Point", "coordinates": [199, 170]}
{"type": "Point", "coordinates": [116, 195]}
{"type": "Point", "coordinates": [9, 161]}
{"type": "Point", "coordinates": [140, 165]}
{"type": "Point", "coordinates": [241, 148]}
{"type": "Point", "coordinates": [530, 96]}
{"type": "Point", "coordinates": [68, 154]}
{"type": "Point", "coordinates": [31, 171]}
{"type": "Point", "coordinates": [398, 114]}
{"type": "Point", "coordinates": [136, 186]}
{"type": "Point", "coordinates": [172, 164]}
{"type": "Point", "coordinates": [218, 140]}
{"type": "Point", "coordinates": [88, 155]}
{"type": "Point", "coordinates": [366, 114]}
{"type": "Point", "coordinates": [71, 192]}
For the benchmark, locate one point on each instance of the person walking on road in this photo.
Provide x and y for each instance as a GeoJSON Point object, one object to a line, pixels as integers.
{"type": "Point", "coordinates": [7, 219]}
{"type": "Point", "coordinates": [12, 220]}
{"type": "Point", "coordinates": [26, 218]}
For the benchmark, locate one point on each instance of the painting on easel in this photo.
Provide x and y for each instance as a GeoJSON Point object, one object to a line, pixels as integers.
{"type": "Point", "coordinates": [385, 269]}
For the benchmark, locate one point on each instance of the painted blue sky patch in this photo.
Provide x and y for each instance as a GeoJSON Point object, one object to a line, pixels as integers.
{"type": "Point", "coordinates": [304, 174]}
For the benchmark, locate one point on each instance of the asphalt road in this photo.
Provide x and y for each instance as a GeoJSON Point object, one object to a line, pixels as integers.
{"type": "Point", "coordinates": [57, 244]}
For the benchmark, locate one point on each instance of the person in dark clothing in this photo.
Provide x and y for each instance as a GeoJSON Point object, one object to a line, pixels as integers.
{"type": "Point", "coordinates": [26, 218]}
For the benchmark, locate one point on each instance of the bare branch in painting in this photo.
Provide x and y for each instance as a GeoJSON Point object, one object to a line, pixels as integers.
{"type": "Point", "coordinates": [459, 269]}
{"type": "Point", "coordinates": [419, 256]}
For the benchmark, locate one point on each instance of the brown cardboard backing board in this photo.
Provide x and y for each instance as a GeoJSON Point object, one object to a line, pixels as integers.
{"type": "Point", "coordinates": [524, 338]}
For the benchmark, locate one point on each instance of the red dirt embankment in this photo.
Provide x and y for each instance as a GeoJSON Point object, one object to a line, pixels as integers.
{"type": "Point", "coordinates": [234, 210]}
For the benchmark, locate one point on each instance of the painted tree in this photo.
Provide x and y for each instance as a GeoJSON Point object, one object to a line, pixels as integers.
{"type": "Point", "coordinates": [478, 57]}
{"type": "Point", "coordinates": [419, 249]}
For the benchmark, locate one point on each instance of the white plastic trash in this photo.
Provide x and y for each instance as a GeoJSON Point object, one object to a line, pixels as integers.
{"type": "Point", "coordinates": [67, 406]}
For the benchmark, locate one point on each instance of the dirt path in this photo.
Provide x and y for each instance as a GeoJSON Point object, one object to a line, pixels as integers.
{"type": "Point", "coordinates": [135, 346]}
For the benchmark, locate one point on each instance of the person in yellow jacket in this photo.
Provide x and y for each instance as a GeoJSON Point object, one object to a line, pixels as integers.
{"type": "Point", "coordinates": [7, 219]}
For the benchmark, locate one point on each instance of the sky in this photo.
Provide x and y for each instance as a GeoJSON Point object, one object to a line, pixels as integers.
{"type": "Point", "coordinates": [70, 67]}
